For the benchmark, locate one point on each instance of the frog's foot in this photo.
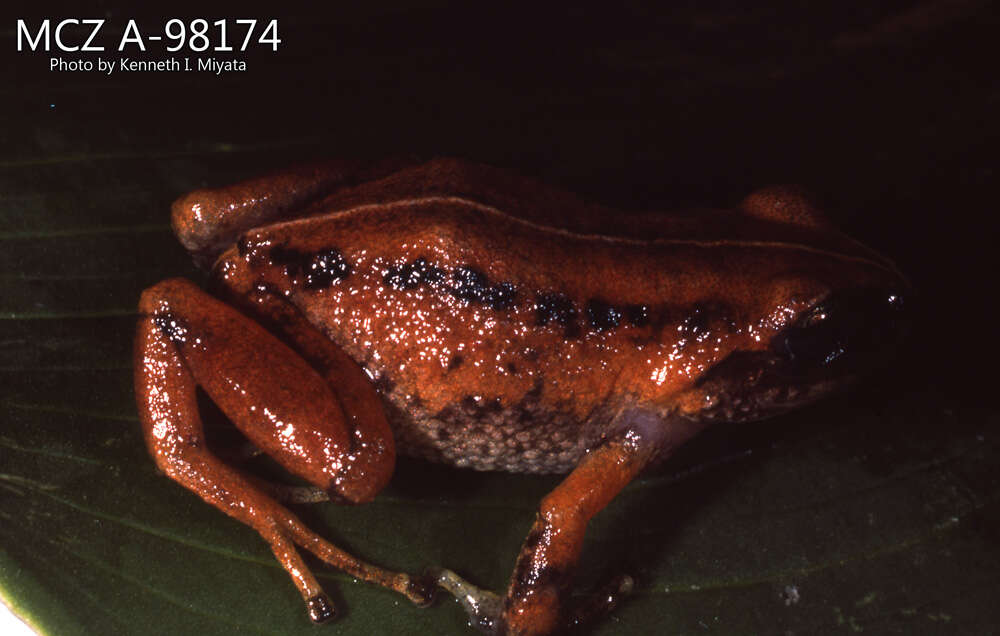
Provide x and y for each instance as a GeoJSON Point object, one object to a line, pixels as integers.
{"type": "Point", "coordinates": [299, 494]}
{"type": "Point", "coordinates": [187, 339]}
{"type": "Point", "coordinates": [483, 606]}
{"type": "Point", "coordinates": [288, 494]}
{"type": "Point", "coordinates": [602, 602]}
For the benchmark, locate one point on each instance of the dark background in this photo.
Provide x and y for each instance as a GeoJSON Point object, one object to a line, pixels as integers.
{"type": "Point", "coordinates": [875, 510]}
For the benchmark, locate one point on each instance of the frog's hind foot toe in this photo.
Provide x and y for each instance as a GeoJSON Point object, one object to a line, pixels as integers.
{"type": "Point", "coordinates": [422, 589]}
{"type": "Point", "coordinates": [602, 602]}
{"type": "Point", "coordinates": [321, 610]}
{"type": "Point", "coordinates": [299, 494]}
{"type": "Point", "coordinates": [483, 606]}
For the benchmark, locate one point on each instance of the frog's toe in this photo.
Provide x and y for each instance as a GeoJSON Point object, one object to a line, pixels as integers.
{"type": "Point", "coordinates": [320, 608]}
{"type": "Point", "coordinates": [608, 597]}
{"type": "Point", "coordinates": [422, 590]}
{"type": "Point", "coordinates": [483, 606]}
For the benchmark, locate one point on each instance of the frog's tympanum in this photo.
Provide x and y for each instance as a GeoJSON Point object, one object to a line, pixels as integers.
{"type": "Point", "coordinates": [459, 314]}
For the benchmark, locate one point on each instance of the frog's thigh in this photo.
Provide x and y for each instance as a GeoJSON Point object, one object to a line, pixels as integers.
{"type": "Point", "coordinates": [185, 339]}
{"type": "Point", "coordinates": [207, 221]}
{"type": "Point", "coordinates": [372, 441]}
{"type": "Point", "coordinates": [544, 567]}
{"type": "Point", "coordinates": [270, 393]}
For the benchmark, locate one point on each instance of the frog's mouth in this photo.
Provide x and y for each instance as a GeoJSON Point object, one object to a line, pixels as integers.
{"type": "Point", "coordinates": [840, 338]}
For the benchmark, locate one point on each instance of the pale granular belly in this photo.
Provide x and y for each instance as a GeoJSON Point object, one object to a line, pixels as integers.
{"type": "Point", "coordinates": [483, 435]}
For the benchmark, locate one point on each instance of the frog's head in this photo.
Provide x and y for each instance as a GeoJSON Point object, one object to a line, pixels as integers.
{"type": "Point", "coordinates": [828, 311]}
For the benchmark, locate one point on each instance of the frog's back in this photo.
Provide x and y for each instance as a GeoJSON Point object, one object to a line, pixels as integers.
{"type": "Point", "coordinates": [499, 341]}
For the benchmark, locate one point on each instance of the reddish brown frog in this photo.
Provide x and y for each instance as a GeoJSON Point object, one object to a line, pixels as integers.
{"type": "Point", "coordinates": [456, 313]}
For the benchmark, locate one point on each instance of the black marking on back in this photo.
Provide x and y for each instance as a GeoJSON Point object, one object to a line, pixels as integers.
{"type": "Point", "coordinates": [603, 316]}
{"type": "Point", "coordinates": [474, 286]}
{"type": "Point", "coordinates": [318, 270]}
{"type": "Point", "coordinates": [555, 307]}
{"type": "Point", "coordinates": [467, 283]}
{"type": "Point", "coordinates": [638, 315]}
{"type": "Point", "coordinates": [290, 259]}
{"type": "Point", "coordinates": [326, 267]}
{"type": "Point", "coordinates": [705, 315]}
{"type": "Point", "coordinates": [696, 321]}
{"type": "Point", "coordinates": [502, 296]}
{"type": "Point", "coordinates": [470, 284]}
{"type": "Point", "coordinates": [412, 275]}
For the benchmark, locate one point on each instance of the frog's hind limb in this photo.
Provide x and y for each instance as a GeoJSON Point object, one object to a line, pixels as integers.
{"type": "Point", "coordinates": [188, 339]}
{"type": "Point", "coordinates": [534, 604]}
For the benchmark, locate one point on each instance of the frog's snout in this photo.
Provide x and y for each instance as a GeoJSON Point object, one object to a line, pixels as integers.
{"type": "Point", "coordinates": [846, 332]}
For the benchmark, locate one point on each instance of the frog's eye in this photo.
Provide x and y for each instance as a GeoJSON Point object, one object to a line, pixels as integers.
{"type": "Point", "coordinates": [815, 316]}
{"type": "Point", "coordinates": [843, 329]}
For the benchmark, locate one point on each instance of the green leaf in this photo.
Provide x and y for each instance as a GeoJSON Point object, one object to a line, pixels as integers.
{"type": "Point", "coordinates": [852, 514]}
{"type": "Point", "coordinates": [874, 511]}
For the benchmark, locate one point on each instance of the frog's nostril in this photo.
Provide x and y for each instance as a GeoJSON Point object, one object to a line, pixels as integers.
{"type": "Point", "coordinates": [898, 310]}
{"type": "Point", "coordinates": [897, 301]}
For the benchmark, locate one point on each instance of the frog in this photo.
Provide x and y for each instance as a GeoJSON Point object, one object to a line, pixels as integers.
{"type": "Point", "coordinates": [465, 315]}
